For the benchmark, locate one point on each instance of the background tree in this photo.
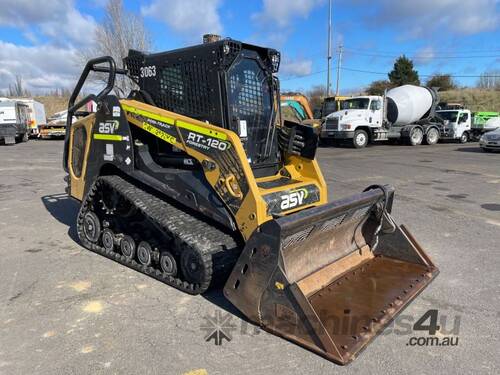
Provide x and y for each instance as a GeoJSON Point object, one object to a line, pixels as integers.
{"type": "Point", "coordinates": [379, 87]}
{"type": "Point", "coordinates": [489, 80]}
{"type": "Point", "coordinates": [119, 31]}
{"type": "Point", "coordinates": [403, 73]}
{"type": "Point", "coordinates": [316, 95]}
{"type": "Point", "coordinates": [17, 88]}
{"type": "Point", "coordinates": [445, 82]}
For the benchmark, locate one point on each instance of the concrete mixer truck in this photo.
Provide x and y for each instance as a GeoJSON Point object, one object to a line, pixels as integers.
{"type": "Point", "coordinates": [406, 113]}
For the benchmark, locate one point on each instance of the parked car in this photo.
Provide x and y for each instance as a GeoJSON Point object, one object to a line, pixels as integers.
{"type": "Point", "coordinates": [490, 141]}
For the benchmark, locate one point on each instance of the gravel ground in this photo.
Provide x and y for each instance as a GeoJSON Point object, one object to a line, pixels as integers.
{"type": "Point", "coordinates": [67, 310]}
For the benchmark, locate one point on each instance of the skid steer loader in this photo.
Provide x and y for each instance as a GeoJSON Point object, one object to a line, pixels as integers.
{"type": "Point", "coordinates": [195, 180]}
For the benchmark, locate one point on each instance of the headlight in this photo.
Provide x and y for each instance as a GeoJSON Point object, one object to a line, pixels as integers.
{"type": "Point", "coordinates": [483, 139]}
{"type": "Point", "coordinates": [346, 126]}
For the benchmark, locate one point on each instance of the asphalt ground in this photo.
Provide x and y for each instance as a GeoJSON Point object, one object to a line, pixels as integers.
{"type": "Point", "coordinates": [66, 310]}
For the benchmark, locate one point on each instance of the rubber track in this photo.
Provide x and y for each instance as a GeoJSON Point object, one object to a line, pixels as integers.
{"type": "Point", "coordinates": [212, 243]}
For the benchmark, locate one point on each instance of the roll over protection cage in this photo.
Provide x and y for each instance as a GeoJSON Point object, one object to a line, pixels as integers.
{"type": "Point", "coordinates": [91, 66]}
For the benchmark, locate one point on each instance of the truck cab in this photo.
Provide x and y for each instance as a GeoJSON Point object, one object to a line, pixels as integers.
{"type": "Point", "coordinates": [457, 124]}
{"type": "Point", "coordinates": [358, 119]}
{"type": "Point", "coordinates": [330, 105]}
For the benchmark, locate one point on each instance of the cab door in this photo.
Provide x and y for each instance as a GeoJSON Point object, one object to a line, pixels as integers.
{"type": "Point", "coordinates": [464, 123]}
{"type": "Point", "coordinates": [375, 113]}
{"type": "Point", "coordinates": [80, 138]}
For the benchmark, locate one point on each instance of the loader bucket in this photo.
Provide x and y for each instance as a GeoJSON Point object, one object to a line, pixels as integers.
{"type": "Point", "coordinates": [324, 279]}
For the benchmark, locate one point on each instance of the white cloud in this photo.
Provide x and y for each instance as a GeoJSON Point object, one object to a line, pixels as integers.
{"type": "Point", "coordinates": [280, 13]}
{"type": "Point", "coordinates": [190, 18]}
{"type": "Point", "coordinates": [296, 68]}
{"type": "Point", "coordinates": [274, 23]}
{"type": "Point", "coordinates": [424, 55]}
{"type": "Point", "coordinates": [56, 19]}
{"type": "Point", "coordinates": [42, 68]}
{"type": "Point", "coordinates": [428, 17]}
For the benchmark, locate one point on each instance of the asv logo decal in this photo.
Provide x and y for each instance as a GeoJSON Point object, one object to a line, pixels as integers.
{"type": "Point", "coordinates": [108, 127]}
{"type": "Point", "coordinates": [294, 199]}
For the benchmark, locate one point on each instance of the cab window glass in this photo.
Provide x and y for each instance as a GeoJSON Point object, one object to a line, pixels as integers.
{"type": "Point", "coordinates": [78, 150]}
{"type": "Point", "coordinates": [375, 105]}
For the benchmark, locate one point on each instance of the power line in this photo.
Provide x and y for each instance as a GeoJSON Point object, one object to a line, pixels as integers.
{"type": "Point", "coordinates": [417, 56]}
{"type": "Point", "coordinates": [423, 75]}
{"type": "Point", "coordinates": [385, 73]}
{"type": "Point", "coordinates": [413, 54]}
{"type": "Point", "coordinates": [438, 52]}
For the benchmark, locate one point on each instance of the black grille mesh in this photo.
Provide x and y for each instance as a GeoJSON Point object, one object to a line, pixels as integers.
{"type": "Point", "coordinates": [133, 62]}
{"type": "Point", "coordinates": [249, 97]}
{"type": "Point", "coordinates": [184, 89]}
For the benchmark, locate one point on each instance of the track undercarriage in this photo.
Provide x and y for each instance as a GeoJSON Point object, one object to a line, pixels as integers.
{"type": "Point", "coordinates": [140, 230]}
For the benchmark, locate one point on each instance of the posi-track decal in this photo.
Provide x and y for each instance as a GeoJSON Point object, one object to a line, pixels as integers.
{"type": "Point", "coordinates": [159, 133]}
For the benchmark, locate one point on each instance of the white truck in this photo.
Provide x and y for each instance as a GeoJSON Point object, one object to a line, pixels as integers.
{"type": "Point", "coordinates": [14, 119]}
{"type": "Point", "coordinates": [404, 113]}
{"type": "Point", "coordinates": [457, 124]}
{"type": "Point", "coordinates": [37, 115]}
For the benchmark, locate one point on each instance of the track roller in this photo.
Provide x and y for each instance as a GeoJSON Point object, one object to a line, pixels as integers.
{"type": "Point", "coordinates": [168, 264]}
{"type": "Point", "coordinates": [91, 226]}
{"type": "Point", "coordinates": [108, 239]}
{"type": "Point", "coordinates": [127, 246]}
{"type": "Point", "coordinates": [144, 253]}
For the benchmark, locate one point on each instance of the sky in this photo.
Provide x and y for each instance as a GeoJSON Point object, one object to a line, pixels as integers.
{"type": "Point", "coordinates": [41, 40]}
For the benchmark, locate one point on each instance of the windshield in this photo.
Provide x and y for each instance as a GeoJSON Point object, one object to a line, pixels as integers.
{"type": "Point", "coordinates": [290, 113]}
{"type": "Point", "coordinates": [450, 116]}
{"type": "Point", "coordinates": [360, 103]}
{"type": "Point", "coordinates": [251, 97]}
{"type": "Point", "coordinates": [330, 106]}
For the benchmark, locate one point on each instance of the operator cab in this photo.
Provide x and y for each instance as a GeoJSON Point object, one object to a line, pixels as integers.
{"type": "Point", "coordinates": [226, 83]}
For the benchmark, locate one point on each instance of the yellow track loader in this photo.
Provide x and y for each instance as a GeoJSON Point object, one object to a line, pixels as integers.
{"type": "Point", "coordinates": [195, 180]}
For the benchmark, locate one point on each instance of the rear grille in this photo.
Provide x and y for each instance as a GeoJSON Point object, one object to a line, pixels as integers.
{"type": "Point", "coordinates": [332, 124]}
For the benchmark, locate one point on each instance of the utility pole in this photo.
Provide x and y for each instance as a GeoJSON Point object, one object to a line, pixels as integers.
{"type": "Point", "coordinates": [339, 66]}
{"type": "Point", "coordinates": [329, 57]}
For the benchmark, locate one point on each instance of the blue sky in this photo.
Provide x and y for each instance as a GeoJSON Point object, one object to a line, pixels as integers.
{"type": "Point", "coordinates": [40, 40]}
